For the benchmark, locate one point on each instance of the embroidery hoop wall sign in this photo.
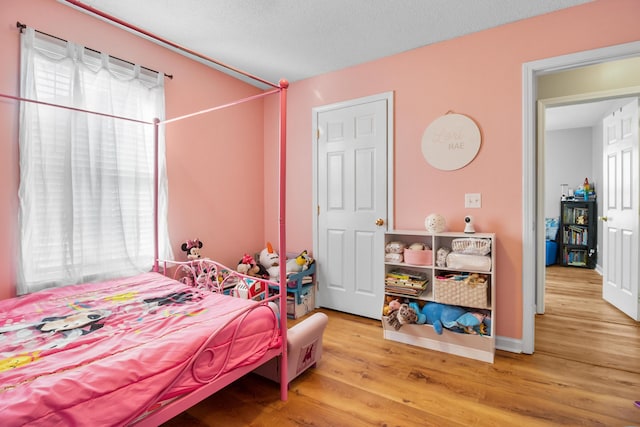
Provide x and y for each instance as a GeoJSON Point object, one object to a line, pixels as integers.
{"type": "Point", "coordinates": [451, 142]}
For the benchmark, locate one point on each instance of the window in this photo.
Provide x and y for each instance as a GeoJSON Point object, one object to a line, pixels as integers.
{"type": "Point", "coordinates": [86, 180]}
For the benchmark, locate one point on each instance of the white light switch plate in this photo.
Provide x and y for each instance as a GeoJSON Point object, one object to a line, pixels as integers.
{"type": "Point", "coordinates": [472, 200]}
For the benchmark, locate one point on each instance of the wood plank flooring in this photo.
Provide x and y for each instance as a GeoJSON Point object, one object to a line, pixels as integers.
{"type": "Point", "coordinates": [585, 372]}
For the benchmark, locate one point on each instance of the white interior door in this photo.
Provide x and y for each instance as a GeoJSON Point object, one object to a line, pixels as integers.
{"type": "Point", "coordinates": [620, 210]}
{"type": "Point", "coordinates": [352, 205]}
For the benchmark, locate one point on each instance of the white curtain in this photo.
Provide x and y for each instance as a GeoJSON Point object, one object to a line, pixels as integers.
{"type": "Point", "coordinates": [86, 181]}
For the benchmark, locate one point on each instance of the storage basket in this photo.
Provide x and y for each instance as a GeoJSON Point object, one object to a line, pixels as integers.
{"type": "Point", "coordinates": [461, 290]}
{"type": "Point", "coordinates": [471, 246]}
{"type": "Point", "coordinates": [414, 257]}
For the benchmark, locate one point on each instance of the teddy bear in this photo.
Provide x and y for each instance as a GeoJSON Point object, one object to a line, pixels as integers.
{"type": "Point", "coordinates": [270, 260]}
{"type": "Point", "coordinates": [192, 248]}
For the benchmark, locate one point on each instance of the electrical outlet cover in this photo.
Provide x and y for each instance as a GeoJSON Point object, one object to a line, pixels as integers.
{"type": "Point", "coordinates": [472, 200]}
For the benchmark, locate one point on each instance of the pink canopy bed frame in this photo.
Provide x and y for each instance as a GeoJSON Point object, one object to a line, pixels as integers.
{"type": "Point", "coordinates": [160, 408]}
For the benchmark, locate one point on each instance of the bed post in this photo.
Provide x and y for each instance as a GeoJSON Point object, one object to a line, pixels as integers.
{"type": "Point", "coordinates": [284, 381]}
{"type": "Point", "coordinates": [156, 180]}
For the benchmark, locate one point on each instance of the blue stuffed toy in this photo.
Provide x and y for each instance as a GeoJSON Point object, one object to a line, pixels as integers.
{"type": "Point", "coordinates": [442, 315]}
{"type": "Point", "coordinates": [422, 318]}
{"type": "Point", "coordinates": [456, 319]}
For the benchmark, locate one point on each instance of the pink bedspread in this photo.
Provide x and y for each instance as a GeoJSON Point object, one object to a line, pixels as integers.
{"type": "Point", "coordinates": [97, 354]}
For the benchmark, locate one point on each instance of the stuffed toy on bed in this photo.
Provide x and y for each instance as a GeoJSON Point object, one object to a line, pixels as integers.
{"type": "Point", "coordinates": [192, 248]}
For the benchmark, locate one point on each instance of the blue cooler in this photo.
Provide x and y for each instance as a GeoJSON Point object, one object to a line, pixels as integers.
{"type": "Point", "coordinates": [552, 252]}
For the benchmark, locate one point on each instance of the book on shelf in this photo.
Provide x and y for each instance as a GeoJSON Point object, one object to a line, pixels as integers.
{"type": "Point", "coordinates": [406, 275]}
{"type": "Point", "coordinates": [405, 282]}
{"type": "Point", "coordinates": [576, 235]}
{"type": "Point", "coordinates": [403, 290]}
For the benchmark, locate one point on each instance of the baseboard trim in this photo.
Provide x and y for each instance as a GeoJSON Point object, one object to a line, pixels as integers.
{"type": "Point", "coordinates": [509, 344]}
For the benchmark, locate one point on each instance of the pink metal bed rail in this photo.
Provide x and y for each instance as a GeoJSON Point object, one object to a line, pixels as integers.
{"type": "Point", "coordinates": [281, 87]}
{"type": "Point", "coordinates": [206, 274]}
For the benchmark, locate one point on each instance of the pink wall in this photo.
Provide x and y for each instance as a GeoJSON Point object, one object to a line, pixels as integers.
{"type": "Point", "coordinates": [215, 161]}
{"type": "Point", "coordinates": [479, 75]}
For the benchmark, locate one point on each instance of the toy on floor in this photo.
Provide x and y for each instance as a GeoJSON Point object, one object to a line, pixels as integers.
{"type": "Point", "coordinates": [192, 248]}
{"type": "Point", "coordinates": [270, 260]}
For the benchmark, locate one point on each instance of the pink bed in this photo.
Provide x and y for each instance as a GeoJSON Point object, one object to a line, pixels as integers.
{"type": "Point", "coordinates": [103, 354]}
{"type": "Point", "coordinates": [138, 350]}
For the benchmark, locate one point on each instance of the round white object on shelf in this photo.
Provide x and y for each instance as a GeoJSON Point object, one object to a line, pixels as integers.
{"type": "Point", "coordinates": [435, 223]}
{"type": "Point", "coordinates": [451, 142]}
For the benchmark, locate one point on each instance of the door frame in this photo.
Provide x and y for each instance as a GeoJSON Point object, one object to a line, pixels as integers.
{"type": "Point", "coordinates": [533, 259]}
{"type": "Point", "coordinates": [315, 111]}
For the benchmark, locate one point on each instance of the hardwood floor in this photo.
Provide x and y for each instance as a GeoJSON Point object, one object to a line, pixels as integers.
{"type": "Point", "coordinates": [585, 372]}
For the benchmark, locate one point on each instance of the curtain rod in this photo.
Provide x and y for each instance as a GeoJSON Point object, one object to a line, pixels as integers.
{"type": "Point", "coordinates": [118, 21]}
{"type": "Point", "coordinates": [21, 27]}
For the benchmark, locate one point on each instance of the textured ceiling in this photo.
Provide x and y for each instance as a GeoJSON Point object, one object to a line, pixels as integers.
{"type": "Point", "coordinates": [297, 39]}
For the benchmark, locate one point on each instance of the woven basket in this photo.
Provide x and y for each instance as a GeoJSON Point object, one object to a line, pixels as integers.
{"type": "Point", "coordinates": [471, 246]}
{"type": "Point", "coordinates": [456, 291]}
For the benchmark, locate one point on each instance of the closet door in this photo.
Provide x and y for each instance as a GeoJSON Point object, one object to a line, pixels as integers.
{"type": "Point", "coordinates": [352, 206]}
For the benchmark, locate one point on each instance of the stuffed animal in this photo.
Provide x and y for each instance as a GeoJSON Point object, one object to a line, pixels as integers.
{"type": "Point", "coordinates": [456, 319]}
{"type": "Point", "coordinates": [299, 263]}
{"type": "Point", "coordinates": [421, 318]}
{"type": "Point", "coordinates": [475, 323]}
{"type": "Point", "coordinates": [192, 248]}
{"type": "Point", "coordinates": [442, 315]}
{"type": "Point", "coordinates": [247, 265]}
{"type": "Point", "coordinates": [270, 260]}
{"type": "Point", "coordinates": [390, 305]}
{"type": "Point", "coordinates": [406, 314]}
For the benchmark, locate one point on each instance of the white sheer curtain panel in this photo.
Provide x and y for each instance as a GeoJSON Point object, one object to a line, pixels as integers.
{"type": "Point", "coordinates": [86, 181]}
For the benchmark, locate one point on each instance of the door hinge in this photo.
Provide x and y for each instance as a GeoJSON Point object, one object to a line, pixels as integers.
{"type": "Point", "coordinates": [318, 134]}
{"type": "Point", "coordinates": [318, 210]}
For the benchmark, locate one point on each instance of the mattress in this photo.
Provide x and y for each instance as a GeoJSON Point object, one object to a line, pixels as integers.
{"type": "Point", "coordinates": [99, 354]}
